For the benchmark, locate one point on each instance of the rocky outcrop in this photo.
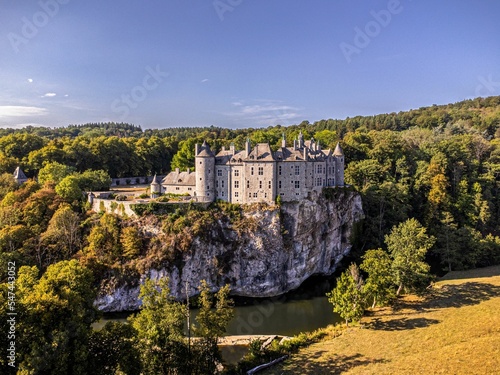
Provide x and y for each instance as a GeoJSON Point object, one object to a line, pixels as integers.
{"type": "Point", "coordinates": [272, 252]}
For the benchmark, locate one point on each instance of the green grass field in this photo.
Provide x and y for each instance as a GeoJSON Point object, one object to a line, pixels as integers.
{"type": "Point", "coordinates": [453, 330]}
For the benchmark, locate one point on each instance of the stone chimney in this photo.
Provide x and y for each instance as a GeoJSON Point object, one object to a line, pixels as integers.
{"type": "Point", "coordinates": [247, 147]}
{"type": "Point", "coordinates": [196, 149]}
{"type": "Point", "coordinates": [231, 148]}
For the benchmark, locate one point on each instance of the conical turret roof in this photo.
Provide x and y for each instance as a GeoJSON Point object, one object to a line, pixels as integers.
{"type": "Point", "coordinates": [19, 174]}
{"type": "Point", "coordinates": [205, 151]}
{"type": "Point", "coordinates": [155, 180]}
{"type": "Point", "coordinates": [338, 150]}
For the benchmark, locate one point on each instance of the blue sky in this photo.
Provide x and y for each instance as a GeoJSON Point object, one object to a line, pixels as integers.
{"type": "Point", "coordinates": [240, 63]}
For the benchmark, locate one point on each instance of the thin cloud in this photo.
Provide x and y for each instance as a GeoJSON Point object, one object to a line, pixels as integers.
{"type": "Point", "coordinates": [266, 112]}
{"type": "Point", "coordinates": [21, 111]}
{"type": "Point", "coordinates": [30, 80]}
{"type": "Point", "coordinates": [49, 95]}
{"type": "Point", "coordinates": [204, 80]}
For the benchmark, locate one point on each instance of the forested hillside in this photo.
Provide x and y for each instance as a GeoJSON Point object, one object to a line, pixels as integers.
{"type": "Point", "coordinates": [439, 165]}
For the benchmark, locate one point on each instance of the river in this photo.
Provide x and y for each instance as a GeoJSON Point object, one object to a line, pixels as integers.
{"type": "Point", "coordinates": [275, 316]}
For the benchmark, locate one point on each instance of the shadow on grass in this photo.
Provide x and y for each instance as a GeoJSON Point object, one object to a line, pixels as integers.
{"type": "Point", "coordinates": [467, 294]}
{"type": "Point", "coordinates": [400, 324]}
{"type": "Point", "coordinates": [323, 363]}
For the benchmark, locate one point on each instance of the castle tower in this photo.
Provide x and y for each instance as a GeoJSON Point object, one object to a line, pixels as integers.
{"type": "Point", "coordinates": [205, 173]}
{"type": "Point", "coordinates": [338, 155]}
{"type": "Point", "coordinates": [155, 187]}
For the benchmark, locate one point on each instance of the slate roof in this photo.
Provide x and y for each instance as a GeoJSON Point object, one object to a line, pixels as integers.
{"type": "Point", "coordinates": [180, 179]}
{"type": "Point", "coordinates": [19, 174]}
{"type": "Point", "coordinates": [338, 150]}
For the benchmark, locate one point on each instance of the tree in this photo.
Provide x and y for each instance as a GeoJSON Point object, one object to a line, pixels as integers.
{"type": "Point", "coordinates": [347, 297]}
{"type": "Point", "coordinates": [131, 242]}
{"type": "Point", "coordinates": [408, 244]}
{"type": "Point", "coordinates": [159, 327]}
{"type": "Point", "coordinates": [54, 172]}
{"type": "Point", "coordinates": [63, 232]}
{"type": "Point", "coordinates": [112, 350]}
{"type": "Point", "coordinates": [69, 189]}
{"type": "Point", "coordinates": [7, 184]}
{"type": "Point", "coordinates": [380, 281]}
{"type": "Point", "coordinates": [184, 158]}
{"type": "Point", "coordinates": [104, 239]}
{"type": "Point", "coordinates": [212, 324]}
{"type": "Point", "coordinates": [58, 310]}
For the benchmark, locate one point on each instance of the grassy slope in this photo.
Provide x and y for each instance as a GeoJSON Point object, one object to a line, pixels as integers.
{"type": "Point", "coordinates": [454, 330]}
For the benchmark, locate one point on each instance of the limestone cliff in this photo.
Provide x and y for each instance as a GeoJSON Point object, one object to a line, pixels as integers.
{"type": "Point", "coordinates": [272, 250]}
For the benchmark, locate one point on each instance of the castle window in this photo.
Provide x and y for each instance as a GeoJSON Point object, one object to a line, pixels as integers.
{"type": "Point", "coordinates": [216, 184]}
{"type": "Point", "coordinates": [222, 193]}
{"type": "Point", "coordinates": [318, 169]}
{"type": "Point", "coordinates": [265, 195]}
{"type": "Point", "coordinates": [261, 171]}
{"type": "Point", "coordinates": [255, 195]}
{"type": "Point", "coordinates": [200, 162]}
{"type": "Point", "coordinates": [279, 170]}
{"type": "Point", "coordinates": [297, 184]}
{"type": "Point", "coordinates": [208, 187]}
{"type": "Point", "coordinates": [176, 188]}
{"type": "Point", "coordinates": [236, 184]}
{"type": "Point", "coordinates": [190, 189]}
{"type": "Point", "coordinates": [297, 170]}
{"type": "Point", "coordinates": [248, 184]}
{"type": "Point", "coordinates": [269, 185]}
{"type": "Point", "coordinates": [236, 194]}
{"type": "Point", "coordinates": [260, 184]}
{"type": "Point", "coordinates": [251, 171]}
{"type": "Point", "coordinates": [219, 172]}
{"type": "Point", "coordinates": [222, 183]}
{"type": "Point", "coordinates": [249, 195]}
{"type": "Point", "coordinates": [318, 182]}
{"type": "Point", "coordinates": [236, 172]}
{"type": "Point", "coordinates": [279, 184]}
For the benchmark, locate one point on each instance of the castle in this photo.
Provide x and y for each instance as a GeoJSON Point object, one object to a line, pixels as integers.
{"type": "Point", "coordinates": [258, 174]}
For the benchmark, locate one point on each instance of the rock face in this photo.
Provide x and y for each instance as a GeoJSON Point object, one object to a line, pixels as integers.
{"type": "Point", "coordinates": [276, 251]}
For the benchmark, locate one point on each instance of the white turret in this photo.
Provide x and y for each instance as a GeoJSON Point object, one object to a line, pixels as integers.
{"type": "Point", "coordinates": [155, 187]}
{"type": "Point", "coordinates": [338, 154]}
{"type": "Point", "coordinates": [205, 173]}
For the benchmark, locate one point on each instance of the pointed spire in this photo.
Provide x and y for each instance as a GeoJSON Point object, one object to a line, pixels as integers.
{"type": "Point", "coordinates": [19, 176]}
{"type": "Point", "coordinates": [155, 180]}
{"type": "Point", "coordinates": [338, 150]}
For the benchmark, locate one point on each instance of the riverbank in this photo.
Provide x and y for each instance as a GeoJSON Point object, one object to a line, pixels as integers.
{"type": "Point", "coordinates": [453, 330]}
